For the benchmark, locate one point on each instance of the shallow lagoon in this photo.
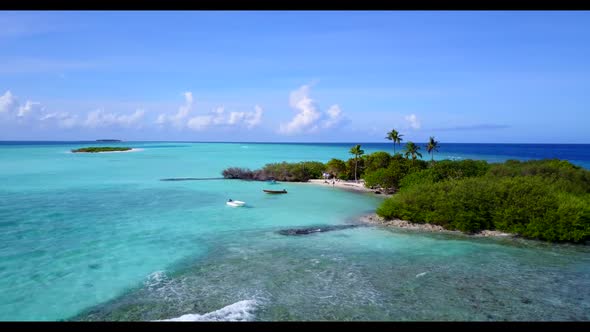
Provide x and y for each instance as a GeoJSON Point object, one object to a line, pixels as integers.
{"type": "Point", "coordinates": [100, 237]}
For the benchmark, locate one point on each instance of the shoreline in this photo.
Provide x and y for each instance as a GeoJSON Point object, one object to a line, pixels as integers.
{"type": "Point", "coordinates": [346, 185]}
{"type": "Point", "coordinates": [373, 218]}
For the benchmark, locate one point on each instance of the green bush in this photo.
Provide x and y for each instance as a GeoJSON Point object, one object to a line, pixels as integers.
{"type": "Point", "coordinates": [350, 168]}
{"type": "Point", "coordinates": [97, 149]}
{"type": "Point", "coordinates": [566, 176]}
{"type": "Point", "coordinates": [336, 167]}
{"type": "Point", "coordinates": [376, 161]}
{"type": "Point", "coordinates": [284, 171]}
{"type": "Point", "coordinates": [398, 169]}
{"type": "Point", "coordinates": [446, 170]}
{"type": "Point", "coordinates": [531, 206]}
{"type": "Point", "coordinates": [381, 178]}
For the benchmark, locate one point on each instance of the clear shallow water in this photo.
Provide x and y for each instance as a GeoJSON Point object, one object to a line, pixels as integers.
{"type": "Point", "coordinates": [99, 237]}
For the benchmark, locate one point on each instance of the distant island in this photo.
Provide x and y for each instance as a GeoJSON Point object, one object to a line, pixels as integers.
{"type": "Point", "coordinates": [108, 140]}
{"type": "Point", "coordinates": [101, 149]}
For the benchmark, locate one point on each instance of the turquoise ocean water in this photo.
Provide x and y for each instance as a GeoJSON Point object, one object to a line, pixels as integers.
{"type": "Point", "coordinates": [100, 237]}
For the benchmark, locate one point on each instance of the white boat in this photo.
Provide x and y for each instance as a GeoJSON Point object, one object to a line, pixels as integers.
{"type": "Point", "coordinates": [235, 203]}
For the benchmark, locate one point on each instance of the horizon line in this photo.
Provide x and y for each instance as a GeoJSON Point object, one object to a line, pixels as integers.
{"type": "Point", "coordinates": [268, 142]}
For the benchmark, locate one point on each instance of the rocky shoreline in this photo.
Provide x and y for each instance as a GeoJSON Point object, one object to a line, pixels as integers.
{"type": "Point", "coordinates": [398, 223]}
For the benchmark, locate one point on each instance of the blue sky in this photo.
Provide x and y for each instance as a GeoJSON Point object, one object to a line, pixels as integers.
{"type": "Point", "coordinates": [341, 76]}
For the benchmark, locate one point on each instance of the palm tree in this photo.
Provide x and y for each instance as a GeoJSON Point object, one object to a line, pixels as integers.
{"type": "Point", "coordinates": [432, 146]}
{"type": "Point", "coordinates": [357, 152]}
{"type": "Point", "coordinates": [412, 150]}
{"type": "Point", "coordinates": [394, 136]}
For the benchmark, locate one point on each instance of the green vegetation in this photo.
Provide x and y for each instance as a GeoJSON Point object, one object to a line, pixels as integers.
{"type": "Point", "coordinates": [291, 172]}
{"type": "Point", "coordinates": [357, 152]}
{"type": "Point", "coordinates": [101, 149]}
{"type": "Point", "coordinates": [389, 177]}
{"type": "Point", "coordinates": [412, 150]}
{"type": "Point", "coordinates": [540, 199]}
{"type": "Point", "coordinates": [337, 168]}
{"type": "Point", "coordinates": [377, 160]}
{"type": "Point", "coordinates": [395, 137]}
{"type": "Point", "coordinates": [431, 147]}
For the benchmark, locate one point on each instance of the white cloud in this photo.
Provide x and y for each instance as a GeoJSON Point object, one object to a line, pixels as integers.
{"type": "Point", "coordinates": [8, 102]}
{"type": "Point", "coordinates": [308, 113]}
{"type": "Point", "coordinates": [219, 117]}
{"type": "Point", "coordinates": [33, 113]}
{"type": "Point", "coordinates": [309, 118]}
{"type": "Point", "coordinates": [28, 108]}
{"type": "Point", "coordinates": [334, 117]}
{"type": "Point", "coordinates": [413, 121]}
{"type": "Point", "coordinates": [99, 118]}
{"type": "Point", "coordinates": [10, 106]}
{"type": "Point", "coordinates": [254, 119]}
{"type": "Point", "coordinates": [235, 117]}
{"type": "Point", "coordinates": [199, 122]}
{"type": "Point", "coordinates": [178, 119]}
{"type": "Point", "coordinates": [61, 119]}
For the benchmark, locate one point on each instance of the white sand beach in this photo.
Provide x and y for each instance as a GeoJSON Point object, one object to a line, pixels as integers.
{"type": "Point", "coordinates": [347, 185]}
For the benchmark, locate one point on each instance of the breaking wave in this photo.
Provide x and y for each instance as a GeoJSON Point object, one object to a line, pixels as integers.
{"type": "Point", "coordinates": [236, 312]}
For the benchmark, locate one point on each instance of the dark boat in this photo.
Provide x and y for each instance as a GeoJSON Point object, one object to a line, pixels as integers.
{"type": "Point", "coordinates": [274, 191]}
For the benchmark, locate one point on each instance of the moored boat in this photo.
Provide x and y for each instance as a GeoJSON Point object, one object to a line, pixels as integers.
{"type": "Point", "coordinates": [235, 203]}
{"type": "Point", "coordinates": [274, 191]}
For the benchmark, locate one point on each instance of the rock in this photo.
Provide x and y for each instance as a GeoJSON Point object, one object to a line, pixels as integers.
{"type": "Point", "coordinates": [317, 229]}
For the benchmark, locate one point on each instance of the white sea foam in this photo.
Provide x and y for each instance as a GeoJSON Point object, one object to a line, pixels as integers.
{"type": "Point", "coordinates": [421, 274]}
{"type": "Point", "coordinates": [156, 280]}
{"type": "Point", "coordinates": [236, 312]}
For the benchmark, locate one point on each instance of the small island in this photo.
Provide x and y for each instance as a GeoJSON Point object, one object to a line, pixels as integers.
{"type": "Point", "coordinates": [546, 199]}
{"type": "Point", "coordinates": [98, 149]}
{"type": "Point", "coordinates": [108, 140]}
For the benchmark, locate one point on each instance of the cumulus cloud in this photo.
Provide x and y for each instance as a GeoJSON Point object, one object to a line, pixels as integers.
{"type": "Point", "coordinates": [309, 118]}
{"type": "Point", "coordinates": [200, 122]}
{"type": "Point", "coordinates": [99, 118]}
{"type": "Point", "coordinates": [254, 119]}
{"type": "Point", "coordinates": [12, 108]}
{"type": "Point", "coordinates": [33, 113]}
{"type": "Point", "coordinates": [219, 117]}
{"type": "Point", "coordinates": [307, 112]}
{"type": "Point", "coordinates": [413, 121]}
{"type": "Point", "coordinates": [28, 108]}
{"type": "Point", "coordinates": [334, 117]}
{"type": "Point", "coordinates": [8, 102]}
{"type": "Point", "coordinates": [179, 119]}
{"type": "Point", "coordinates": [61, 119]}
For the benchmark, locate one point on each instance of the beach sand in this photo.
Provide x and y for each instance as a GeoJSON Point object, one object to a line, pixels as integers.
{"type": "Point", "coordinates": [347, 185]}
